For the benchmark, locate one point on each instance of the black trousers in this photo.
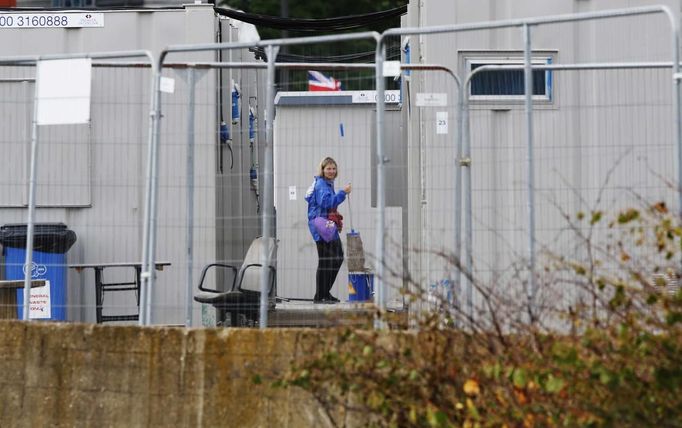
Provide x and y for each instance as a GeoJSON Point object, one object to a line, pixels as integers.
{"type": "Point", "coordinates": [330, 256]}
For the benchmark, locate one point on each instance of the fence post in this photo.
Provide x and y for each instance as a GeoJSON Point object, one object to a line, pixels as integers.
{"type": "Point", "coordinates": [190, 192]}
{"type": "Point", "coordinates": [465, 163]}
{"type": "Point", "coordinates": [149, 229]}
{"type": "Point", "coordinates": [380, 292]}
{"type": "Point", "coordinates": [268, 191]}
{"type": "Point", "coordinates": [28, 272]}
{"type": "Point", "coordinates": [528, 83]}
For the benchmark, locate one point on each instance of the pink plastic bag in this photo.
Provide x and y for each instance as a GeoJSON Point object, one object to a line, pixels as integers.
{"type": "Point", "coordinates": [325, 227]}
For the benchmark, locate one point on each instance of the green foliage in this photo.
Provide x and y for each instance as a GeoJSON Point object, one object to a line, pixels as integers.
{"type": "Point", "coordinates": [596, 217]}
{"type": "Point", "coordinates": [620, 366]}
{"type": "Point", "coordinates": [316, 9]}
{"type": "Point", "coordinates": [360, 50]}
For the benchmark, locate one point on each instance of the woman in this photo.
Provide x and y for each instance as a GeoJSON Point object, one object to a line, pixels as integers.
{"type": "Point", "coordinates": [322, 200]}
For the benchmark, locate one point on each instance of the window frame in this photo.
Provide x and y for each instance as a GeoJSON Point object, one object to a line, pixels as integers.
{"type": "Point", "coordinates": [504, 58]}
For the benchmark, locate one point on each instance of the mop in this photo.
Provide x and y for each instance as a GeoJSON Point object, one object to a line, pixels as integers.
{"type": "Point", "coordinates": [356, 254]}
{"type": "Point", "coordinates": [360, 282]}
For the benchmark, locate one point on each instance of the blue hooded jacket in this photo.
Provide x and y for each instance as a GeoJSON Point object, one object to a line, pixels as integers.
{"type": "Point", "coordinates": [321, 198]}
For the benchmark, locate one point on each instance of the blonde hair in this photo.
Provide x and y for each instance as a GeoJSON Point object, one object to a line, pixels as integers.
{"type": "Point", "coordinates": [326, 161]}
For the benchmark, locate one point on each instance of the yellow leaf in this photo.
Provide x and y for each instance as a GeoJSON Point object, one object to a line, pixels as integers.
{"type": "Point", "coordinates": [412, 415]}
{"type": "Point", "coordinates": [471, 387]}
{"type": "Point", "coordinates": [473, 411]}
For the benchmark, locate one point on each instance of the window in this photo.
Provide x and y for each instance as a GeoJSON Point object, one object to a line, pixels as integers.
{"type": "Point", "coordinates": [508, 85]}
{"type": "Point", "coordinates": [73, 3]}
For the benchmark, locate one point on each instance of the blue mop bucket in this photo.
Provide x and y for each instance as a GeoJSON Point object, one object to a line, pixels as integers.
{"type": "Point", "coordinates": [360, 286]}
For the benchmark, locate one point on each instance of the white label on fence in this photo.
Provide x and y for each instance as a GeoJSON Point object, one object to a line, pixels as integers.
{"type": "Point", "coordinates": [39, 303]}
{"type": "Point", "coordinates": [51, 20]}
{"type": "Point", "coordinates": [442, 122]}
{"type": "Point", "coordinates": [370, 97]}
{"type": "Point", "coordinates": [63, 91]}
{"type": "Point", "coordinates": [292, 193]}
{"type": "Point", "coordinates": [425, 99]}
{"type": "Point", "coordinates": [391, 68]}
{"type": "Point", "coordinates": [167, 85]}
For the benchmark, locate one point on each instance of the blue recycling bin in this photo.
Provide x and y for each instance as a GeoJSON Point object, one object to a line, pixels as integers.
{"type": "Point", "coordinates": [51, 241]}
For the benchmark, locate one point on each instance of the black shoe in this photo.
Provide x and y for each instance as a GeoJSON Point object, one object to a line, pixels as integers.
{"type": "Point", "coordinates": [316, 301]}
{"type": "Point", "coordinates": [333, 299]}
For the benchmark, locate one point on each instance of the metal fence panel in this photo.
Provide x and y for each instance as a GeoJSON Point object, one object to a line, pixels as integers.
{"type": "Point", "coordinates": [88, 176]}
{"type": "Point", "coordinates": [509, 223]}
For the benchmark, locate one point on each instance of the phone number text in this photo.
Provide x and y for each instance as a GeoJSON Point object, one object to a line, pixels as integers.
{"type": "Point", "coordinates": [29, 21]}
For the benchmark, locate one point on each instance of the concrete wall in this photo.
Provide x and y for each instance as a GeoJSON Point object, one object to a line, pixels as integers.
{"type": "Point", "coordinates": [85, 375]}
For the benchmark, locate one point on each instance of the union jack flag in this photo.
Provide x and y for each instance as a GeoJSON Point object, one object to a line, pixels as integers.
{"type": "Point", "coordinates": [319, 82]}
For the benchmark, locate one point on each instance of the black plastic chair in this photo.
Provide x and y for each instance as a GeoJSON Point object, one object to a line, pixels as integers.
{"type": "Point", "coordinates": [241, 302]}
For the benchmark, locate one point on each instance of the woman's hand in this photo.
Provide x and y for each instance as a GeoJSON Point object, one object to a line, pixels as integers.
{"type": "Point", "coordinates": [347, 188]}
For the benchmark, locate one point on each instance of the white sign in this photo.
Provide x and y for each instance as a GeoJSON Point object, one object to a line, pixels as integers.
{"type": "Point", "coordinates": [39, 303]}
{"type": "Point", "coordinates": [370, 97]}
{"type": "Point", "coordinates": [442, 122]}
{"type": "Point", "coordinates": [167, 85]}
{"type": "Point", "coordinates": [391, 68]}
{"type": "Point", "coordinates": [425, 99]}
{"type": "Point", "coordinates": [51, 20]}
{"type": "Point", "coordinates": [292, 193]}
{"type": "Point", "coordinates": [63, 91]}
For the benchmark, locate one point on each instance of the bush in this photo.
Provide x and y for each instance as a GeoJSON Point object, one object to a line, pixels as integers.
{"type": "Point", "coordinates": [612, 358]}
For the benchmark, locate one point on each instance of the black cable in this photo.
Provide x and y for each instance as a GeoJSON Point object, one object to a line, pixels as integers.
{"type": "Point", "coordinates": [313, 25]}
{"type": "Point", "coordinates": [391, 53]}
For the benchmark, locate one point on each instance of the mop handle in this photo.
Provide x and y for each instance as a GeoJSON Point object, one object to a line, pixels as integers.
{"type": "Point", "coordinates": [350, 214]}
